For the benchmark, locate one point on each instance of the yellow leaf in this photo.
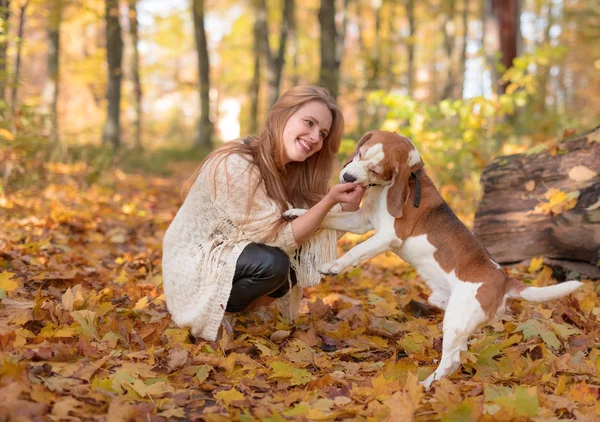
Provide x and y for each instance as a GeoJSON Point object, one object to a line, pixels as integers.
{"type": "Point", "coordinates": [229, 396]}
{"type": "Point", "coordinates": [121, 279]}
{"type": "Point", "coordinates": [536, 264]}
{"type": "Point", "coordinates": [6, 135]}
{"type": "Point", "coordinates": [142, 303]}
{"type": "Point", "coordinates": [6, 283]}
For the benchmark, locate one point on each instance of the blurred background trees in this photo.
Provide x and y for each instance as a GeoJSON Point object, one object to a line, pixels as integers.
{"type": "Point", "coordinates": [466, 80]}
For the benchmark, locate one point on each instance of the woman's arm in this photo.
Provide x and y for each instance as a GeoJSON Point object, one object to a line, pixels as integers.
{"type": "Point", "coordinates": [304, 226]}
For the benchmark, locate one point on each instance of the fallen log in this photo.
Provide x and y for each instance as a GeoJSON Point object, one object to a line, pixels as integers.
{"type": "Point", "coordinates": [545, 202]}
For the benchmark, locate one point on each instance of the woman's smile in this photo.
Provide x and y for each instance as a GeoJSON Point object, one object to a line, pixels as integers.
{"type": "Point", "coordinates": [305, 145]}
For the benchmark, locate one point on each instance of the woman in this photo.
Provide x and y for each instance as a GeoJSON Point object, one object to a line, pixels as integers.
{"type": "Point", "coordinates": [228, 247]}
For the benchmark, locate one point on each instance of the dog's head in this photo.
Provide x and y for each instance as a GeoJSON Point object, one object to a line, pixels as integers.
{"type": "Point", "coordinates": [384, 158]}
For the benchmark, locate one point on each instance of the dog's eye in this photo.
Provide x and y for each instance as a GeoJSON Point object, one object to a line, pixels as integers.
{"type": "Point", "coordinates": [373, 172]}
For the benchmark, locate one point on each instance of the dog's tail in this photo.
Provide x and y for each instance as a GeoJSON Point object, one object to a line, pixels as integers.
{"type": "Point", "coordinates": [518, 289]}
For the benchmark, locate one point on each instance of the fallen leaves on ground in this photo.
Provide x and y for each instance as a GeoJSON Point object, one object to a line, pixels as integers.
{"type": "Point", "coordinates": [85, 333]}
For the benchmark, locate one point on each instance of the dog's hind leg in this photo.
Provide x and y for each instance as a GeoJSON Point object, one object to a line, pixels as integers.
{"type": "Point", "coordinates": [463, 316]}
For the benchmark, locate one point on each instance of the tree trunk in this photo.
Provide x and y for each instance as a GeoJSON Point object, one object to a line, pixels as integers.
{"type": "Point", "coordinates": [275, 62]}
{"type": "Point", "coordinates": [519, 218]}
{"type": "Point", "coordinates": [255, 84]}
{"type": "Point", "coordinates": [544, 71]}
{"type": "Point", "coordinates": [375, 56]}
{"type": "Point", "coordinates": [462, 65]}
{"type": "Point", "coordinates": [4, 21]}
{"type": "Point", "coordinates": [508, 15]}
{"type": "Point", "coordinates": [114, 55]}
{"type": "Point", "coordinates": [410, 46]}
{"type": "Point", "coordinates": [17, 74]}
{"type": "Point", "coordinates": [329, 73]}
{"type": "Point", "coordinates": [51, 88]}
{"type": "Point", "coordinates": [294, 52]}
{"type": "Point", "coordinates": [204, 136]}
{"type": "Point", "coordinates": [135, 74]}
{"type": "Point", "coordinates": [449, 46]}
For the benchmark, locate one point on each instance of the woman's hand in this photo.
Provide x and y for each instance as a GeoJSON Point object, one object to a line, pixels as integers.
{"type": "Point", "coordinates": [346, 193]}
{"type": "Point", "coordinates": [306, 224]}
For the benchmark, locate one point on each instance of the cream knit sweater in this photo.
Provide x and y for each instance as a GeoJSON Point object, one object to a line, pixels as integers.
{"type": "Point", "coordinates": [202, 245]}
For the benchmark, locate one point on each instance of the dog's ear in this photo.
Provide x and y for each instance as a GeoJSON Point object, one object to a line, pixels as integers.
{"type": "Point", "coordinates": [398, 191]}
{"type": "Point", "coordinates": [360, 143]}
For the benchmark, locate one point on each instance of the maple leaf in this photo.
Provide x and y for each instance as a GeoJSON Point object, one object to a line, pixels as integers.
{"type": "Point", "coordinates": [7, 284]}
{"type": "Point", "coordinates": [297, 376]}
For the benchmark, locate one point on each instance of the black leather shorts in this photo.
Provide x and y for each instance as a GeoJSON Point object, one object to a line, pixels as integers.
{"type": "Point", "coordinates": [260, 270]}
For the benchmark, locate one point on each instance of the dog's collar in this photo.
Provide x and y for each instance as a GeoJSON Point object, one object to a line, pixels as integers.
{"type": "Point", "coordinates": [417, 201]}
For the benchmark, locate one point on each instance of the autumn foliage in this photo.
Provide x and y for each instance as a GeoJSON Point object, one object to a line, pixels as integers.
{"type": "Point", "coordinates": [85, 334]}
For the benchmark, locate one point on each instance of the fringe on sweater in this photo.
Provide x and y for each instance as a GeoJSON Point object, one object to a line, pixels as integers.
{"type": "Point", "coordinates": [318, 250]}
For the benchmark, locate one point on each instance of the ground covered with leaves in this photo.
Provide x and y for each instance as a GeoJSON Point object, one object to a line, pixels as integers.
{"type": "Point", "coordinates": [85, 333]}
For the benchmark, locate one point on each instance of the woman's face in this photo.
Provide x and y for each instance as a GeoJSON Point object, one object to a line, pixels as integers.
{"type": "Point", "coordinates": [305, 131]}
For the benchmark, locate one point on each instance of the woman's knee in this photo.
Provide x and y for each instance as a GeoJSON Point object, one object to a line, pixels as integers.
{"type": "Point", "coordinates": [262, 262]}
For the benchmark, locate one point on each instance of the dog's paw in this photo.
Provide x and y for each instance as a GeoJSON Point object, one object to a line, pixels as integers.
{"type": "Point", "coordinates": [331, 268]}
{"type": "Point", "coordinates": [427, 382]}
{"type": "Point", "coordinates": [293, 213]}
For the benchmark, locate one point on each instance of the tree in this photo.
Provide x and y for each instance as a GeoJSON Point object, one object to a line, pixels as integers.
{"type": "Point", "coordinates": [255, 84]}
{"type": "Point", "coordinates": [4, 22]}
{"type": "Point", "coordinates": [275, 62]}
{"type": "Point", "coordinates": [204, 135]}
{"type": "Point", "coordinates": [114, 55]}
{"type": "Point", "coordinates": [410, 46]}
{"type": "Point", "coordinates": [51, 87]}
{"type": "Point", "coordinates": [330, 63]}
{"type": "Point", "coordinates": [135, 74]}
{"type": "Point", "coordinates": [17, 73]}
{"type": "Point", "coordinates": [507, 14]}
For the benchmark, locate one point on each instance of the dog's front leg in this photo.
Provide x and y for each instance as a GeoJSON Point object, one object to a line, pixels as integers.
{"type": "Point", "coordinates": [353, 222]}
{"type": "Point", "coordinates": [371, 247]}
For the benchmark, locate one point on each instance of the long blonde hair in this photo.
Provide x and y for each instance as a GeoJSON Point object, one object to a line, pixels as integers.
{"type": "Point", "coordinates": [302, 184]}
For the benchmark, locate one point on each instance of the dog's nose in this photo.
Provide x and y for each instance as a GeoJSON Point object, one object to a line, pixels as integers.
{"type": "Point", "coordinates": [348, 178]}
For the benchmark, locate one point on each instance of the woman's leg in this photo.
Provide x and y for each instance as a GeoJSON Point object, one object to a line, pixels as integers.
{"type": "Point", "coordinates": [260, 270]}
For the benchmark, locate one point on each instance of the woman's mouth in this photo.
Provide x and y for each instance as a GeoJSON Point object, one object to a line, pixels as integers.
{"type": "Point", "coordinates": [304, 145]}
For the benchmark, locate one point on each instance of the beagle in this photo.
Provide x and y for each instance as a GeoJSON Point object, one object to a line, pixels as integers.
{"type": "Point", "coordinates": [412, 219]}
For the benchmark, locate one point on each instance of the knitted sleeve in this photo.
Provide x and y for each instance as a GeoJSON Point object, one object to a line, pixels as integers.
{"type": "Point", "coordinates": [236, 183]}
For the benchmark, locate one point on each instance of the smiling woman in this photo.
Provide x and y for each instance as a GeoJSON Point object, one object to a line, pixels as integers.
{"type": "Point", "coordinates": [228, 248]}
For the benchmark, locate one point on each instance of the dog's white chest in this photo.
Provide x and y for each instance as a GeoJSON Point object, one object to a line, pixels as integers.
{"type": "Point", "coordinates": [375, 206]}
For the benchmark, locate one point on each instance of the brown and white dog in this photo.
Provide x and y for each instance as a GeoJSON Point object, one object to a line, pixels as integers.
{"type": "Point", "coordinates": [412, 219]}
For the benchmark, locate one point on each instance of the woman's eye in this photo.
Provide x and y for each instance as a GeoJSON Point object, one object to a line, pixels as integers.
{"type": "Point", "coordinates": [309, 122]}
{"type": "Point", "coordinates": [322, 135]}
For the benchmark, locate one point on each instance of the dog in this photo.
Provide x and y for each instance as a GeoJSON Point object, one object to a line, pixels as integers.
{"type": "Point", "coordinates": [412, 219]}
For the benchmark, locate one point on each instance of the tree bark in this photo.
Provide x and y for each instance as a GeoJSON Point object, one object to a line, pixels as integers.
{"type": "Point", "coordinates": [375, 56]}
{"type": "Point", "coordinates": [4, 21]}
{"type": "Point", "coordinates": [329, 73]}
{"type": "Point", "coordinates": [511, 227]}
{"type": "Point", "coordinates": [275, 61]}
{"type": "Point", "coordinates": [507, 13]}
{"type": "Point", "coordinates": [255, 84]}
{"type": "Point", "coordinates": [460, 87]}
{"type": "Point", "coordinates": [449, 46]}
{"type": "Point", "coordinates": [114, 54]}
{"type": "Point", "coordinates": [410, 46]}
{"type": "Point", "coordinates": [544, 71]}
{"type": "Point", "coordinates": [51, 88]}
{"type": "Point", "coordinates": [17, 73]}
{"type": "Point", "coordinates": [204, 135]}
{"type": "Point", "coordinates": [135, 74]}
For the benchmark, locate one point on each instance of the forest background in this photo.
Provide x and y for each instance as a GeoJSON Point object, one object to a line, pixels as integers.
{"type": "Point", "coordinates": [466, 80]}
{"type": "Point", "coordinates": [106, 108]}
